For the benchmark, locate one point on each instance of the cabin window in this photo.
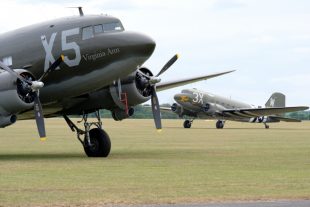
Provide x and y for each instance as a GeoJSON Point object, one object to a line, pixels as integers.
{"type": "Point", "coordinates": [98, 28]}
{"type": "Point", "coordinates": [113, 26]}
{"type": "Point", "coordinates": [7, 61]}
{"type": "Point", "coordinates": [87, 33]}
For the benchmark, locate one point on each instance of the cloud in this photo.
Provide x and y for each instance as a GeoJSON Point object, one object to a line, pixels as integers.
{"type": "Point", "coordinates": [302, 51]}
{"type": "Point", "coordinates": [228, 4]}
{"type": "Point", "coordinates": [262, 38]}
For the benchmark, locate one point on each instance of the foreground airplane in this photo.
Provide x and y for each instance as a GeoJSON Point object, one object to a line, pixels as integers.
{"type": "Point", "coordinates": [76, 66]}
{"type": "Point", "coordinates": [198, 104]}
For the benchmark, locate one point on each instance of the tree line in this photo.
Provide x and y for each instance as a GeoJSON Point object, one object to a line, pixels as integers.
{"type": "Point", "coordinates": [145, 112]}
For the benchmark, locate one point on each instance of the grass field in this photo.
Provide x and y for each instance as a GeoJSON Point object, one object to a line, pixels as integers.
{"type": "Point", "coordinates": [197, 165]}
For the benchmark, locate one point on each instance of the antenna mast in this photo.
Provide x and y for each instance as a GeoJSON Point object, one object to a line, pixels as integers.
{"type": "Point", "coordinates": [81, 11]}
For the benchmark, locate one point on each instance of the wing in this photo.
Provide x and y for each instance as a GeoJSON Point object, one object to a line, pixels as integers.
{"type": "Point", "coordinates": [256, 112]}
{"type": "Point", "coordinates": [172, 84]}
{"type": "Point", "coordinates": [280, 118]}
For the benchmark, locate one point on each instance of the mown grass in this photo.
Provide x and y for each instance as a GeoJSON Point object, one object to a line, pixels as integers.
{"type": "Point", "coordinates": [197, 165]}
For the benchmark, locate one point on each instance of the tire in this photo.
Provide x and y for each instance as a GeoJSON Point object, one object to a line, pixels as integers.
{"type": "Point", "coordinates": [187, 124]}
{"type": "Point", "coordinates": [101, 144]}
{"type": "Point", "coordinates": [219, 124]}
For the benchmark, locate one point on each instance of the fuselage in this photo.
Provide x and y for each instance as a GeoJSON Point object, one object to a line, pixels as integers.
{"type": "Point", "coordinates": [206, 105]}
{"type": "Point", "coordinates": [97, 51]}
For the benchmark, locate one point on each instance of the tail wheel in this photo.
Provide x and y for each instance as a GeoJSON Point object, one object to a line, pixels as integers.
{"type": "Point", "coordinates": [100, 144]}
{"type": "Point", "coordinates": [187, 124]}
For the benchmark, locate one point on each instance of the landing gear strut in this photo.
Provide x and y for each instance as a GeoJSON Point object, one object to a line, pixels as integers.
{"type": "Point", "coordinates": [187, 123]}
{"type": "Point", "coordinates": [96, 141]}
{"type": "Point", "coordinates": [220, 124]}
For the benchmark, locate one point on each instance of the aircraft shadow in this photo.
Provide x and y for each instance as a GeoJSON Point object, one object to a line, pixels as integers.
{"type": "Point", "coordinates": [116, 155]}
{"type": "Point", "coordinates": [258, 128]}
{"type": "Point", "coordinates": [40, 156]}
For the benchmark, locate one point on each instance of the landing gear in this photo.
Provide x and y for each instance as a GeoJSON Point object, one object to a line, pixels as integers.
{"type": "Point", "coordinates": [266, 126]}
{"type": "Point", "coordinates": [187, 124]}
{"type": "Point", "coordinates": [100, 144]}
{"type": "Point", "coordinates": [96, 141]}
{"type": "Point", "coordinates": [220, 124]}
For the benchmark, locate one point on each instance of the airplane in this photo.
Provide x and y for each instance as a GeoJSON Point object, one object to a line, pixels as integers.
{"type": "Point", "coordinates": [203, 105]}
{"type": "Point", "coordinates": [76, 66]}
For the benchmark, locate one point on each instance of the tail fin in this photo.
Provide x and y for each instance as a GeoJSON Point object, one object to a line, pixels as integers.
{"type": "Point", "coordinates": [276, 100]}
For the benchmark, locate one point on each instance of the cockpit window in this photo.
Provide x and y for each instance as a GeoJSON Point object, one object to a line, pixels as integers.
{"type": "Point", "coordinates": [87, 33]}
{"type": "Point", "coordinates": [98, 28]}
{"type": "Point", "coordinates": [113, 26]}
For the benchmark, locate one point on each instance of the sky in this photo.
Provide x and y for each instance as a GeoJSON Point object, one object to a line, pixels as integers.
{"type": "Point", "coordinates": [267, 42]}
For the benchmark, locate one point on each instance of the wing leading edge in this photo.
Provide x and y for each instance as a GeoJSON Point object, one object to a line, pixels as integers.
{"type": "Point", "coordinates": [175, 83]}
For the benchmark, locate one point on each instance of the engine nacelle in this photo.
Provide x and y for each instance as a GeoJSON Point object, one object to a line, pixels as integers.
{"type": "Point", "coordinates": [119, 114]}
{"type": "Point", "coordinates": [181, 111]}
{"type": "Point", "coordinates": [7, 120]}
{"type": "Point", "coordinates": [212, 108]}
{"type": "Point", "coordinates": [136, 88]}
{"type": "Point", "coordinates": [15, 96]}
{"type": "Point", "coordinates": [177, 109]}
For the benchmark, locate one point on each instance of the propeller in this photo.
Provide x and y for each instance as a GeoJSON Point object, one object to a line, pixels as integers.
{"type": "Point", "coordinates": [151, 82]}
{"type": "Point", "coordinates": [34, 86]}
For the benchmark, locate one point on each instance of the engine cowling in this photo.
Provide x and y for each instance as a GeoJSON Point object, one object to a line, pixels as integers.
{"type": "Point", "coordinates": [212, 108]}
{"type": "Point", "coordinates": [137, 87]}
{"type": "Point", "coordinates": [15, 96]}
{"type": "Point", "coordinates": [181, 111]}
{"type": "Point", "coordinates": [177, 109]}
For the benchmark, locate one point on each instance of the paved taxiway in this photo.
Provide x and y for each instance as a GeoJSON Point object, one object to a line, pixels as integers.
{"type": "Point", "coordinates": [301, 203]}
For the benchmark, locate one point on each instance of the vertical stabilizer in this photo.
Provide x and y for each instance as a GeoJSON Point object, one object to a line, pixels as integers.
{"type": "Point", "coordinates": [276, 100]}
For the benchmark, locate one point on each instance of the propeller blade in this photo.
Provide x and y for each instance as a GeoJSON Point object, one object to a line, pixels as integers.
{"type": "Point", "coordinates": [13, 73]}
{"type": "Point", "coordinates": [168, 64]}
{"type": "Point", "coordinates": [156, 109]}
{"type": "Point", "coordinates": [52, 67]}
{"type": "Point", "coordinates": [39, 117]}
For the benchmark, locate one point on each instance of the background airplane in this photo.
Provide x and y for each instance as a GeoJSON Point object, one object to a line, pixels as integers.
{"type": "Point", "coordinates": [77, 66]}
{"type": "Point", "coordinates": [199, 104]}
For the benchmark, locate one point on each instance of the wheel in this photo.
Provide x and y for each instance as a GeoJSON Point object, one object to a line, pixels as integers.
{"type": "Point", "coordinates": [100, 143]}
{"type": "Point", "coordinates": [266, 126]}
{"type": "Point", "coordinates": [187, 124]}
{"type": "Point", "coordinates": [219, 124]}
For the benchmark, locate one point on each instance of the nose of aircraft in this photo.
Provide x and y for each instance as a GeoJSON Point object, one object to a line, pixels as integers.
{"type": "Point", "coordinates": [181, 98]}
{"type": "Point", "coordinates": [144, 44]}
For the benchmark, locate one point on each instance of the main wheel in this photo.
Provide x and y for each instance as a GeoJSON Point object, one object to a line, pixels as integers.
{"type": "Point", "coordinates": [100, 143]}
{"type": "Point", "coordinates": [219, 124]}
{"type": "Point", "coordinates": [187, 124]}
